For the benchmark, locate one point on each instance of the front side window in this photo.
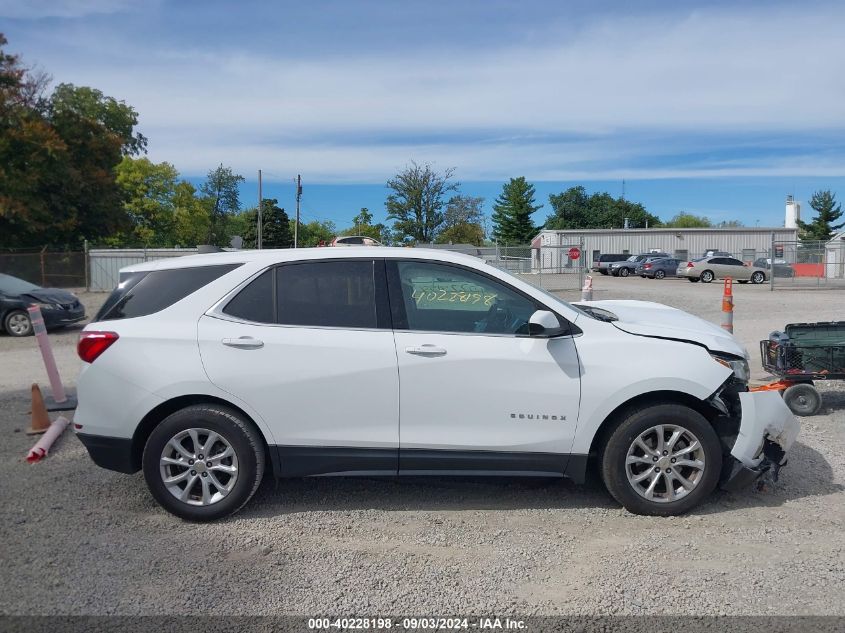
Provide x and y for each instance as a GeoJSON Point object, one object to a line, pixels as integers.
{"type": "Point", "coordinates": [327, 294]}
{"type": "Point", "coordinates": [442, 298]}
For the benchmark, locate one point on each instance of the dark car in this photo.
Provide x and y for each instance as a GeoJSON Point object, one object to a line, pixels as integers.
{"type": "Point", "coordinates": [658, 268]}
{"type": "Point", "coordinates": [627, 267]}
{"type": "Point", "coordinates": [782, 267]}
{"type": "Point", "coordinates": [58, 307]}
{"type": "Point", "coordinates": [602, 264]}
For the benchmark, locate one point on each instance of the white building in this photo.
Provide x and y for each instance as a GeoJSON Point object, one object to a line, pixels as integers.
{"type": "Point", "coordinates": [550, 249]}
{"type": "Point", "coordinates": [834, 257]}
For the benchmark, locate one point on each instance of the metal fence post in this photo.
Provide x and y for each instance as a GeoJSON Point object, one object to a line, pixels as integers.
{"type": "Point", "coordinates": [772, 262]}
{"type": "Point", "coordinates": [87, 266]}
{"type": "Point", "coordinates": [43, 274]}
{"type": "Point", "coordinates": [582, 264]}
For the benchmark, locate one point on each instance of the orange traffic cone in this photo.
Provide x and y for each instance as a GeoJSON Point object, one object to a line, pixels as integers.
{"type": "Point", "coordinates": [40, 417]}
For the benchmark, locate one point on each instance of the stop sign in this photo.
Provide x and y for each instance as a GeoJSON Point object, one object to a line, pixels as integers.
{"type": "Point", "coordinates": [574, 253]}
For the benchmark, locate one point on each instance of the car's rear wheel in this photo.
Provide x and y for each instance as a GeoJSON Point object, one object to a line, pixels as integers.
{"type": "Point", "coordinates": [661, 460]}
{"type": "Point", "coordinates": [659, 274]}
{"type": "Point", "coordinates": [17, 323]}
{"type": "Point", "coordinates": [624, 272]}
{"type": "Point", "coordinates": [203, 462]}
{"type": "Point", "coordinates": [707, 276]}
{"type": "Point", "coordinates": [758, 277]}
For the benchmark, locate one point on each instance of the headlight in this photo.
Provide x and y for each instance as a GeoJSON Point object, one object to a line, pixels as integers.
{"type": "Point", "coordinates": [47, 306]}
{"type": "Point", "coordinates": [739, 366]}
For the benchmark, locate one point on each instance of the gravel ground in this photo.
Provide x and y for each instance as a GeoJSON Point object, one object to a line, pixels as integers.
{"type": "Point", "coordinates": [81, 540]}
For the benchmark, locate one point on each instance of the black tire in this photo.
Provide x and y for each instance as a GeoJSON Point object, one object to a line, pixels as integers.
{"type": "Point", "coordinates": [659, 274]}
{"type": "Point", "coordinates": [803, 399]}
{"type": "Point", "coordinates": [742, 281]}
{"type": "Point", "coordinates": [17, 323]}
{"type": "Point", "coordinates": [638, 421]}
{"type": "Point", "coordinates": [693, 280]}
{"type": "Point", "coordinates": [239, 433]}
{"type": "Point", "coordinates": [624, 272]}
{"type": "Point", "coordinates": [758, 277]}
{"type": "Point", "coordinates": [614, 273]}
{"type": "Point", "coordinates": [706, 276]}
{"type": "Point", "coordinates": [603, 272]}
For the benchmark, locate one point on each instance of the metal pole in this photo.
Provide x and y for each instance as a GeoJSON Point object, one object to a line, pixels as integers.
{"type": "Point", "coordinates": [259, 229]}
{"type": "Point", "coordinates": [772, 262]}
{"type": "Point", "coordinates": [87, 267]}
{"type": "Point", "coordinates": [298, 197]}
{"type": "Point", "coordinates": [43, 277]}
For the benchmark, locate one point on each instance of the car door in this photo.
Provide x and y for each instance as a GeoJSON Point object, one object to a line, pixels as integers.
{"type": "Point", "coordinates": [477, 393]}
{"type": "Point", "coordinates": [734, 268]}
{"type": "Point", "coordinates": [308, 346]}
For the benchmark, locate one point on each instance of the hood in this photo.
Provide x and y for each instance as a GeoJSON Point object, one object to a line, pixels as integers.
{"type": "Point", "coordinates": [50, 295]}
{"type": "Point", "coordinates": [645, 318]}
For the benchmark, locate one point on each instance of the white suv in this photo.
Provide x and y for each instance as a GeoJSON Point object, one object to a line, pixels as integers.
{"type": "Point", "coordinates": [205, 370]}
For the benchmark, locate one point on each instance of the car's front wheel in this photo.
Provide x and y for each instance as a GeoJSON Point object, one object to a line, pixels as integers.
{"type": "Point", "coordinates": [17, 323]}
{"type": "Point", "coordinates": [661, 460]}
{"type": "Point", "coordinates": [624, 272]}
{"type": "Point", "coordinates": [758, 278]}
{"type": "Point", "coordinates": [203, 462]}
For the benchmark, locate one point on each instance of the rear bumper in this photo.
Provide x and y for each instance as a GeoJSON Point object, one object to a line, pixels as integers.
{"type": "Point", "coordinates": [113, 453]}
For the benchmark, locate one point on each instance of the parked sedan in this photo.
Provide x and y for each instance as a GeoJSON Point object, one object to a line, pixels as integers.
{"type": "Point", "coordinates": [627, 267]}
{"type": "Point", "coordinates": [58, 307]}
{"type": "Point", "coordinates": [782, 267]}
{"type": "Point", "coordinates": [658, 268]}
{"type": "Point", "coordinates": [707, 269]}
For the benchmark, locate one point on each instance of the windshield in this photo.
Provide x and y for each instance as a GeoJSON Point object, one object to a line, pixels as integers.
{"type": "Point", "coordinates": [13, 286]}
{"type": "Point", "coordinates": [633, 258]}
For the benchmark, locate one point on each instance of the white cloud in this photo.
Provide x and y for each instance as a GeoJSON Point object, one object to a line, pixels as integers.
{"type": "Point", "coordinates": [34, 9]}
{"type": "Point", "coordinates": [731, 71]}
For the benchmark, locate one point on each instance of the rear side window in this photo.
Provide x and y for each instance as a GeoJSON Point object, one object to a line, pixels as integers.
{"type": "Point", "coordinates": [329, 294]}
{"type": "Point", "coordinates": [146, 293]}
{"type": "Point", "coordinates": [255, 301]}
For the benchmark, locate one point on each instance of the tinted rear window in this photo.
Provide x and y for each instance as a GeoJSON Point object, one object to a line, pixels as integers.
{"type": "Point", "coordinates": [255, 301]}
{"type": "Point", "coordinates": [146, 293]}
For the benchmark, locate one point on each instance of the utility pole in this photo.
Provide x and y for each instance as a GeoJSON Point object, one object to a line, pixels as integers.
{"type": "Point", "coordinates": [296, 224]}
{"type": "Point", "coordinates": [260, 226]}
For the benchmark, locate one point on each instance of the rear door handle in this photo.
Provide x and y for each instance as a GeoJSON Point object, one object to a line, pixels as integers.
{"type": "Point", "coordinates": [244, 342]}
{"type": "Point", "coordinates": [426, 350]}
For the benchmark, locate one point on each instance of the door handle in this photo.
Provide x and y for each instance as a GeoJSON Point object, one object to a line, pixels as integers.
{"type": "Point", "coordinates": [426, 350]}
{"type": "Point", "coordinates": [244, 342]}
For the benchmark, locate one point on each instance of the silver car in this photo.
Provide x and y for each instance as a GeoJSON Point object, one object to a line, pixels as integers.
{"type": "Point", "coordinates": [706, 269]}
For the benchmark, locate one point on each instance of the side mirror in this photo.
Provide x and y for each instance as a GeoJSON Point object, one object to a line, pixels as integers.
{"type": "Point", "coordinates": [545, 324]}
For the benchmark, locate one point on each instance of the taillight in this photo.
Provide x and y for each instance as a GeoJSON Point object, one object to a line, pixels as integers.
{"type": "Point", "coordinates": [92, 344]}
{"type": "Point", "coordinates": [647, 266]}
{"type": "Point", "coordinates": [689, 265]}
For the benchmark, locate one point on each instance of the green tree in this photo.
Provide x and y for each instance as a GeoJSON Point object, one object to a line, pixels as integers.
{"type": "Point", "coordinates": [576, 209]}
{"type": "Point", "coordinates": [191, 220]}
{"type": "Point", "coordinates": [512, 212]}
{"type": "Point", "coordinates": [416, 202]}
{"type": "Point", "coordinates": [221, 194]}
{"type": "Point", "coordinates": [314, 232]}
{"type": "Point", "coordinates": [828, 211]}
{"type": "Point", "coordinates": [362, 224]}
{"type": "Point", "coordinates": [684, 220]}
{"type": "Point", "coordinates": [463, 221]}
{"type": "Point", "coordinates": [149, 190]}
{"type": "Point", "coordinates": [276, 226]}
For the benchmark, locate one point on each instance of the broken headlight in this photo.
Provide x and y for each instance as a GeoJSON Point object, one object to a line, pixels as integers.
{"type": "Point", "coordinates": [739, 366]}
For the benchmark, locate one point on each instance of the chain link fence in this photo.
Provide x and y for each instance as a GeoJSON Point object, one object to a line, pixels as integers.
{"type": "Point", "coordinates": [555, 268]}
{"type": "Point", "coordinates": [803, 264]}
{"type": "Point", "coordinates": [57, 269]}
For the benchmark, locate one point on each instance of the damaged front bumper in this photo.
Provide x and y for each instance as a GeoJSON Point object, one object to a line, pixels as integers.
{"type": "Point", "coordinates": [767, 430]}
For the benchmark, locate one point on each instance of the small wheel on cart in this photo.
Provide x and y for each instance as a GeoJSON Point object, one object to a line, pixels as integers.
{"type": "Point", "coordinates": [803, 399]}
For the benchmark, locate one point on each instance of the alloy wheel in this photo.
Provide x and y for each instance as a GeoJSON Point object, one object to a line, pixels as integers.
{"type": "Point", "coordinates": [19, 324]}
{"type": "Point", "coordinates": [199, 467]}
{"type": "Point", "coordinates": [665, 463]}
